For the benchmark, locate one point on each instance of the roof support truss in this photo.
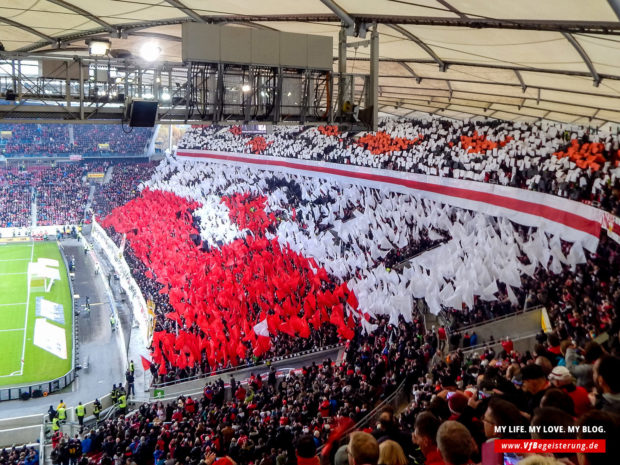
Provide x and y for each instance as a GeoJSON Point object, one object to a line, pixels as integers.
{"type": "Point", "coordinates": [520, 78]}
{"type": "Point", "coordinates": [442, 65]}
{"type": "Point", "coordinates": [418, 79]}
{"type": "Point", "coordinates": [452, 8]}
{"type": "Point", "coordinates": [615, 5]}
{"type": "Point", "coordinates": [188, 11]}
{"type": "Point", "coordinates": [23, 27]}
{"type": "Point", "coordinates": [76, 9]}
{"type": "Point", "coordinates": [346, 19]}
{"type": "Point", "coordinates": [584, 56]}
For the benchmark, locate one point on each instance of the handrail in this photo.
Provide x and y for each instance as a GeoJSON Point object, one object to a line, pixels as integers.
{"type": "Point", "coordinates": [249, 365]}
{"type": "Point", "coordinates": [483, 345]}
{"type": "Point", "coordinates": [361, 423]}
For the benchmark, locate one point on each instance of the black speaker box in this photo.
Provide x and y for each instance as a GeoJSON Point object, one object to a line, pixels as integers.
{"type": "Point", "coordinates": [142, 113]}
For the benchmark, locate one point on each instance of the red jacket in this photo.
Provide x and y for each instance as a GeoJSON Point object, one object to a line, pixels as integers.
{"type": "Point", "coordinates": [434, 458]}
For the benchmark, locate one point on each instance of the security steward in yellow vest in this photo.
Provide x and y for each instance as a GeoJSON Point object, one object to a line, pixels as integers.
{"type": "Point", "coordinates": [62, 414]}
{"type": "Point", "coordinates": [122, 403]}
{"type": "Point", "coordinates": [80, 412]}
{"type": "Point", "coordinates": [97, 409]}
{"type": "Point", "coordinates": [55, 424]}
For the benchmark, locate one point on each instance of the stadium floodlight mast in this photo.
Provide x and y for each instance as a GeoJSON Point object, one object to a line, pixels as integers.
{"type": "Point", "coordinates": [98, 47]}
{"type": "Point", "coordinates": [150, 51]}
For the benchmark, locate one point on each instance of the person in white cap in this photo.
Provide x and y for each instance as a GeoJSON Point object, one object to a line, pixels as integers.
{"type": "Point", "coordinates": [561, 378]}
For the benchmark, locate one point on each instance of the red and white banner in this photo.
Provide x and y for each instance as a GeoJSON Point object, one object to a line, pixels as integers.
{"type": "Point", "coordinates": [573, 221]}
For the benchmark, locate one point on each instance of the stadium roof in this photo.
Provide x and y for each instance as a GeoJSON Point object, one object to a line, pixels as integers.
{"type": "Point", "coordinates": [517, 60]}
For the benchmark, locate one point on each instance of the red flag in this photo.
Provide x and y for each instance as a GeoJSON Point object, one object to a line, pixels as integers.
{"type": "Point", "coordinates": [145, 363]}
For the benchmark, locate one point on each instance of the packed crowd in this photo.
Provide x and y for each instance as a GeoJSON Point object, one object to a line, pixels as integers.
{"type": "Point", "coordinates": [545, 157]}
{"type": "Point", "coordinates": [34, 139]}
{"type": "Point", "coordinates": [121, 187]}
{"type": "Point", "coordinates": [452, 409]}
{"type": "Point", "coordinates": [110, 139]}
{"type": "Point", "coordinates": [15, 198]}
{"type": "Point", "coordinates": [358, 235]}
{"type": "Point", "coordinates": [48, 140]}
{"type": "Point", "coordinates": [61, 194]}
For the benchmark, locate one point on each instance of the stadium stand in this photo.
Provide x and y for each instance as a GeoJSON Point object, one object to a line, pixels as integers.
{"type": "Point", "coordinates": [109, 139]}
{"type": "Point", "coordinates": [61, 194]}
{"type": "Point", "coordinates": [15, 198]}
{"type": "Point", "coordinates": [311, 214]}
{"type": "Point", "coordinates": [544, 157]}
{"type": "Point", "coordinates": [233, 219]}
{"type": "Point", "coordinates": [121, 187]}
{"type": "Point", "coordinates": [34, 139]}
{"type": "Point", "coordinates": [49, 140]}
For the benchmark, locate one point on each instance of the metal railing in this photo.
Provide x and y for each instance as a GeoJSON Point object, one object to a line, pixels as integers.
{"type": "Point", "coordinates": [394, 400]}
{"type": "Point", "coordinates": [259, 364]}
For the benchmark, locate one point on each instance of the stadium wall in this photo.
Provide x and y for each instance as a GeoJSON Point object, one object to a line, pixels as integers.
{"type": "Point", "coordinates": [115, 257]}
{"type": "Point", "coordinates": [573, 221]}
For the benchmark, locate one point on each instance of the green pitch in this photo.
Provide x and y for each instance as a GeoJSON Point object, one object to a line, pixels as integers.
{"type": "Point", "coordinates": [22, 362]}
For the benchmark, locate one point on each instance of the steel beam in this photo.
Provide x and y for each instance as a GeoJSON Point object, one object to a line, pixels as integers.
{"type": "Point", "coordinates": [410, 70]}
{"type": "Point", "coordinates": [520, 78]}
{"type": "Point", "coordinates": [76, 9]}
{"type": "Point", "coordinates": [188, 11]}
{"type": "Point", "coordinates": [452, 9]}
{"type": "Point", "coordinates": [492, 66]}
{"type": "Point", "coordinates": [584, 56]}
{"type": "Point", "coordinates": [23, 27]}
{"type": "Point", "coordinates": [574, 27]}
{"type": "Point", "coordinates": [615, 5]}
{"type": "Point", "coordinates": [340, 13]}
{"type": "Point", "coordinates": [374, 77]}
{"type": "Point", "coordinates": [421, 44]}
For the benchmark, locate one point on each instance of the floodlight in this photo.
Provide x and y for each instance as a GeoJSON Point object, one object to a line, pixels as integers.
{"type": "Point", "coordinates": [150, 51]}
{"type": "Point", "coordinates": [98, 47]}
{"type": "Point", "coordinates": [245, 88]}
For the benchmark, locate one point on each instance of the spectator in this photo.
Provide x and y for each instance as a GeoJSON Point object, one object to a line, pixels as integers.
{"type": "Point", "coordinates": [535, 384]}
{"type": "Point", "coordinates": [363, 449]}
{"type": "Point", "coordinates": [424, 435]}
{"type": "Point", "coordinates": [306, 451]}
{"type": "Point", "coordinates": [455, 443]}
{"type": "Point", "coordinates": [583, 371]}
{"type": "Point", "coordinates": [561, 378]}
{"type": "Point", "coordinates": [601, 425]}
{"type": "Point", "coordinates": [607, 378]}
{"type": "Point", "coordinates": [390, 453]}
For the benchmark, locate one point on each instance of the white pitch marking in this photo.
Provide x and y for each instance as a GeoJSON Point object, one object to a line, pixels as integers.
{"type": "Point", "coordinates": [26, 318]}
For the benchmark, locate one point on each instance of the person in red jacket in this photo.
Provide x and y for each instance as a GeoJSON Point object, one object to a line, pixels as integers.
{"type": "Point", "coordinates": [424, 435]}
{"type": "Point", "coordinates": [240, 394]}
{"type": "Point", "coordinates": [507, 345]}
{"type": "Point", "coordinates": [443, 337]}
{"type": "Point", "coordinates": [190, 405]}
{"type": "Point", "coordinates": [561, 378]}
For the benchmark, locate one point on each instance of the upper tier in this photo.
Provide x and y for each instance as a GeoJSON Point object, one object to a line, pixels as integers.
{"type": "Point", "coordinates": [542, 157]}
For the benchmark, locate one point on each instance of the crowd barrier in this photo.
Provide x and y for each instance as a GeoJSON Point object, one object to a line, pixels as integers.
{"type": "Point", "coordinates": [115, 257]}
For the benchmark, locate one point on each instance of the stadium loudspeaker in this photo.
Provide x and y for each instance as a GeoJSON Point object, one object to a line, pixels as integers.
{"type": "Point", "coordinates": [142, 113]}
